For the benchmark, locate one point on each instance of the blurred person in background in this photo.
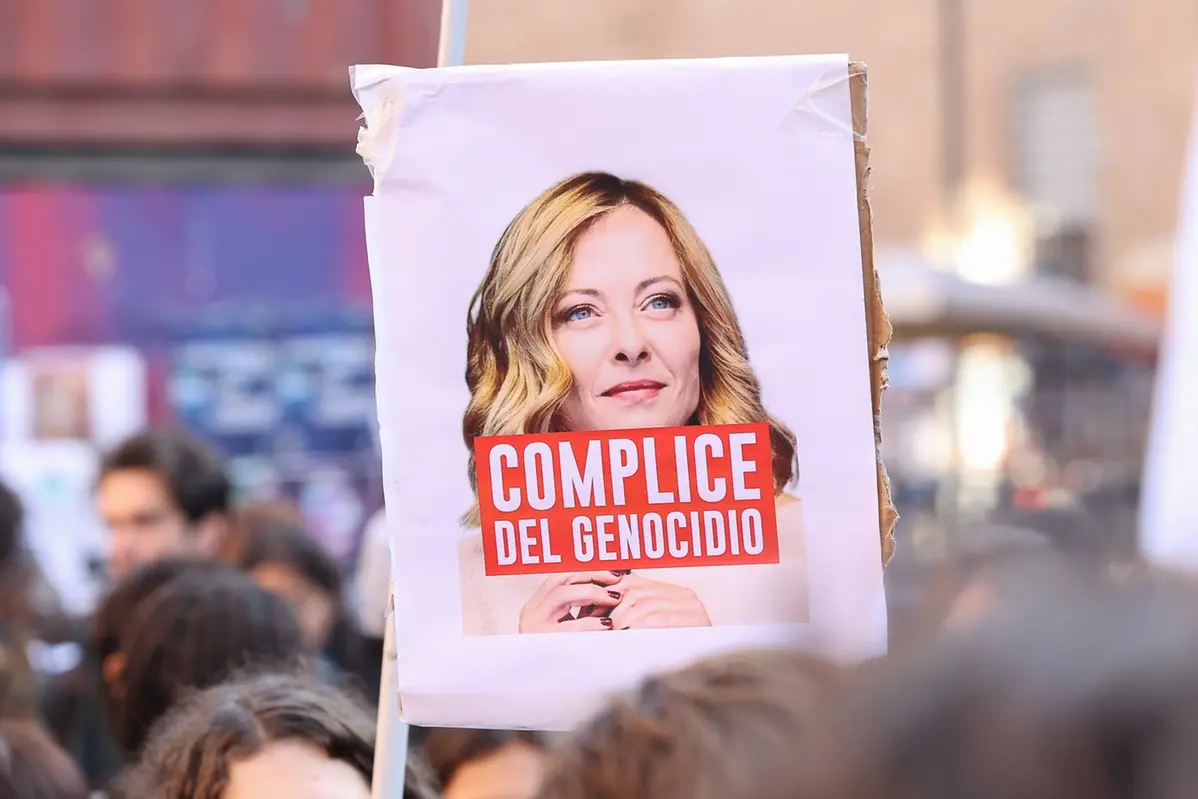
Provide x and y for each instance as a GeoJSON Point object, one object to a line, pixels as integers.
{"type": "Point", "coordinates": [19, 690]}
{"type": "Point", "coordinates": [29, 604]}
{"type": "Point", "coordinates": [270, 735]}
{"type": "Point", "coordinates": [994, 570]}
{"type": "Point", "coordinates": [485, 764]}
{"type": "Point", "coordinates": [1088, 692]}
{"type": "Point", "coordinates": [287, 560]}
{"type": "Point", "coordinates": [726, 727]}
{"type": "Point", "coordinates": [161, 493]}
{"type": "Point", "coordinates": [77, 704]}
{"type": "Point", "coordinates": [969, 589]}
{"type": "Point", "coordinates": [246, 520]}
{"type": "Point", "coordinates": [193, 633]}
{"type": "Point", "coordinates": [32, 767]}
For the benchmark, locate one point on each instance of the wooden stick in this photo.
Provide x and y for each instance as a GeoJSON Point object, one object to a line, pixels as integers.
{"type": "Point", "coordinates": [391, 740]}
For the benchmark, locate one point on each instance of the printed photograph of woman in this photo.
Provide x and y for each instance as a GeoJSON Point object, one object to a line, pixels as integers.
{"type": "Point", "coordinates": [602, 309]}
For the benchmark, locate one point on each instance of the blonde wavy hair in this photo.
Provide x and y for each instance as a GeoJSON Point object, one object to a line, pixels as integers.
{"type": "Point", "coordinates": [519, 381]}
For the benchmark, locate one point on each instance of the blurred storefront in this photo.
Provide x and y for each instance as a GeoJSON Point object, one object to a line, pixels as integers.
{"type": "Point", "coordinates": [181, 241]}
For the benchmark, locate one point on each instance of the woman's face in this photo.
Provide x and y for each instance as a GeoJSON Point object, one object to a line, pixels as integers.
{"type": "Point", "coordinates": [626, 328]}
{"type": "Point", "coordinates": [513, 771]}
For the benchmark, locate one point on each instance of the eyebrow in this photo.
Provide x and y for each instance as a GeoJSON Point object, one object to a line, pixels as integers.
{"type": "Point", "coordinates": [644, 284]}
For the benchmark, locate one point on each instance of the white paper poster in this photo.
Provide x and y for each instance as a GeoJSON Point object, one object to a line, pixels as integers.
{"type": "Point", "coordinates": [622, 374]}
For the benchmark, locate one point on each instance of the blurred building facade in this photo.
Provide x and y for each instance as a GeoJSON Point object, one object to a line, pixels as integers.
{"type": "Point", "coordinates": [1065, 119]}
{"type": "Point", "coordinates": [220, 73]}
{"type": "Point", "coordinates": [181, 242]}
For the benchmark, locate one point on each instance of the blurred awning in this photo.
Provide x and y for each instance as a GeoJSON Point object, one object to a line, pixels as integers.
{"type": "Point", "coordinates": [925, 301]}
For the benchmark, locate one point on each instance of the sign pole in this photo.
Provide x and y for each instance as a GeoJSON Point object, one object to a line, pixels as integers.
{"type": "Point", "coordinates": [391, 739]}
{"type": "Point", "coordinates": [452, 49]}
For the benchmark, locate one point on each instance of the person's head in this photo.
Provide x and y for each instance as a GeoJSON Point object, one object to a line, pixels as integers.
{"type": "Point", "coordinates": [33, 767]}
{"type": "Point", "coordinates": [246, 520]}
{"type": "Point", "coordinates": [118, 607]}
{"type": "Point", "coordinates": [161, 493]}
{"type": "Point", "coordinates": [602, 309]}
{"type": "Point", "coordinates": [270, 735]}
{"type": "Point", "coordinates": [285, 559]}
{"type": "Point", "coordinates": [192, 633]}
{"type": "Point", "coordinates": [485, 764]}
{"type": "Point", "coordinates": [12, 520]}
{"type": "Point", "coordinates": [1092, 694]}
{"type": "Point", "coordinates": [725, 727]}
{"type": "Point", "coordinates": [973, 587]}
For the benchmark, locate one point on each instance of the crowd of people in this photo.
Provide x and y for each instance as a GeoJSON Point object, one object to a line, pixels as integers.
{"type": "Point", "coordinates": [227, 660]}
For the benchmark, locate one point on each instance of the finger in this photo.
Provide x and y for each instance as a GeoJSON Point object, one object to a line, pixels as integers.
{"type": "Point", "coordinates": [630, 615]}
{"type": "Point", "coordinates": [583, 625]}
{"type": "Point", "coordinates": [599, 578]}
{"type": "Point", "coordinates": [550, 583]}
{"type": "Point", "coordinates": [640, 592]}
{"type": "Point", "coordinates": [568, 596]}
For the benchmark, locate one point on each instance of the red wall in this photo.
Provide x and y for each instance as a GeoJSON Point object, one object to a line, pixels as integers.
{"type": "Point", "coordinates": [197, 72]}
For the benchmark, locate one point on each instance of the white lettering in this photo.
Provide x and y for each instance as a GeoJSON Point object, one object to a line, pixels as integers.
{"type": "Point", "coordinates": [605, 537]}
{"type": "Point", "coordinates": [678, 547]}
{"type": "Point", "coordinates": [587, 487]}
{"type": "Point", "coordinates": [713, 523]}
{"type": "Point", "coordinates": [622, 454]}
{"type": "Point", "coordinates": [656, 496]}
{"type": "Point", "coordinates": [538, 476]}
{"type": "Point", "coordinates": [682, 467]}
{"type": "Point", "coordinates": [710, 489]}
{"type": "Point", "coordinates": [740, 467]}
{"type": "Point", "coordinates": [547, 553]}
{"type": "Point", "coordinates": [505, 543]}
{"type": "Point", "coordinates": [527, 541]}
{"type": "Point", "coordinates": [655, 542]}
{"type": "Point", "coordinates": [630, 537]}
{"type": "Point", "coordinates": [501, 455]}
{"type": "Point", "coordinates": [584, 540]}
{"type": "Point", "coordinates": [754, 537]}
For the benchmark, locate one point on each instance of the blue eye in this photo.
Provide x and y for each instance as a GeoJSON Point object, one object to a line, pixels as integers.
{"type": "Point", "coordinates": [578, 314]}
{"type": "Point", "coordinates": [663, 302]}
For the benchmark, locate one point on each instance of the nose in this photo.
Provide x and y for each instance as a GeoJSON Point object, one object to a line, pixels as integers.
{"type": "Point", "coordinates": [117, 553]}
{"type": "Point", "coordinates": [631, 345]}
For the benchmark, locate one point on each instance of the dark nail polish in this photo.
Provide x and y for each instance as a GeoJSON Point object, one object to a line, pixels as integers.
{"type": "Point", "coordinates": [606, 622]}
{"type": "Point", "coordinates": [614, 594]}
{"type": "Point", "coordinates": [623, 628]}
{"type": "Point", "coordinates": [622, 573]}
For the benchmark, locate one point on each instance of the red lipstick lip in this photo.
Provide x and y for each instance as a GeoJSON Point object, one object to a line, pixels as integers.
{"type": "Point", "coordinates": [634, 385]}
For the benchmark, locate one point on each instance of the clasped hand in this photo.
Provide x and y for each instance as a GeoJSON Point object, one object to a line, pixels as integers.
{"type": "Point", "coordinates": [610, 600]}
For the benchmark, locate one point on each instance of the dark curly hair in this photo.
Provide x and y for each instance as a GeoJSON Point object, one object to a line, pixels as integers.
{"type": "Point", "coordinates": [193, 748]}
{"type": "Point", "coordinates": [194, 633]}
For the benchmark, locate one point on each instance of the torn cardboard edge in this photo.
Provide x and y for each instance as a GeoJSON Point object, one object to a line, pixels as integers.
{"type": "Point", "coordinates": [877, 324]}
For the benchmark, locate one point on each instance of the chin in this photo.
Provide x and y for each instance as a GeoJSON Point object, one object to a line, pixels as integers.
{"type": "Point", "coordinates": [637, 421]}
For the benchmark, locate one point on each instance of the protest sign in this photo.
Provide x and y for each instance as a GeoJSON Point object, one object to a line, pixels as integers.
{"type": "Point", "coordinates": [629, 357]}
